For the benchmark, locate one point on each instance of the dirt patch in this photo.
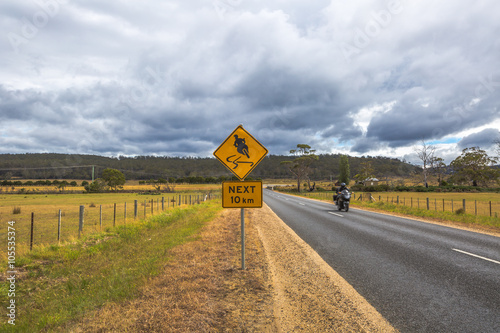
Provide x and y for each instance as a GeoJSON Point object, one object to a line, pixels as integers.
{"type": "Point", "coordinates": [286, 287]}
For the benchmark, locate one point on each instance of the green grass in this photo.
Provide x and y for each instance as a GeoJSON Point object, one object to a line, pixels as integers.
{"type": "Point", "coordinates": [62, 283]}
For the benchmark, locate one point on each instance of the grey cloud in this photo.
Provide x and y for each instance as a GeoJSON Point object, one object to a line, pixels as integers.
{"type": "Point", "coordinates": [364, 145]}
{"type": "Point", "coordinates": [484, 139]}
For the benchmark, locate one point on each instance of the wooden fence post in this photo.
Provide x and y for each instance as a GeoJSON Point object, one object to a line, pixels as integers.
{"type": "Point", "coordinates": [100, 216]}
{"type": "Point", "coordinates": [125, 214]}
{"type": "Point", "coordinates": [80, 224]}
{"type": "Point", "coordinates": [135, 209]}
{"type": "Point", "coordinates": [114, 215]}
{"type": "Point", "coordinates": [490, 209]}
{"type": "Point", "coordinates": [427, 203]}
{"type": "Point", "coordinates": [32, 229]}
{"type": "Point", "coordinates": [162, 203]}
{"type": "Point", "coordinates": [463, 202]}
{"type": "Point", "coordinates": [59, 228]}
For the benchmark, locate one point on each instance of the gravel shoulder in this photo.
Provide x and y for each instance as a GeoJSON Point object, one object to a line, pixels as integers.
{"type": "Point", "coordinates": [286, 287]}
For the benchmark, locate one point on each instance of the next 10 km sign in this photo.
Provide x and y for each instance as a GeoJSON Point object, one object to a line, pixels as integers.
{"type": "Point", "coordinates": [247, 194]}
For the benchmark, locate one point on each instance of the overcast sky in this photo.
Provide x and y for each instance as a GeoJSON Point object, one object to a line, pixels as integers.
{"type": "Point", "coordinates": [171, 77]}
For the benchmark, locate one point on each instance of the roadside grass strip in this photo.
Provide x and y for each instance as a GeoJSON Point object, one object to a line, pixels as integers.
{"type": "Point", "coordinates": [58, 284]}
{"type": "Point", "coordinates": [467, 219]}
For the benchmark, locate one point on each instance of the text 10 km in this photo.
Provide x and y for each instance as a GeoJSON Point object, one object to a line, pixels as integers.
{"type": "Point", "coordinates": [237, 200]}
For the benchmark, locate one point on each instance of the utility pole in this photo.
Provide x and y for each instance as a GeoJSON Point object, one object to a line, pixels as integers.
{"type": "Point", "coordinates": [93, 173]}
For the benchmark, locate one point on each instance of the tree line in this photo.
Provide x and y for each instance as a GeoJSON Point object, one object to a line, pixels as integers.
{"type": "Point", "coordinates": [74, 166]}
{"type": "Point", "coordinates": [473, 167]}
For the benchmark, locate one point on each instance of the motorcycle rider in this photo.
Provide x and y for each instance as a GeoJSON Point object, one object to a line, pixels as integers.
{"type": "Point", "coordinates": [338, 190]}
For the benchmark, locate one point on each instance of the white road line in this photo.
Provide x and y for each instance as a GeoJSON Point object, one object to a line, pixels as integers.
{"type": "Point", "coordinates": [475, 255]}
{"type": "Point", "coordinates": [303, 204]}
{"type": "Point", "coordinates": [335, 214]}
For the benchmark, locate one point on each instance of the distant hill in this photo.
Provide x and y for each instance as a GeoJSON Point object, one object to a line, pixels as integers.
{"type": "Point", "coordinates": [77, 166]}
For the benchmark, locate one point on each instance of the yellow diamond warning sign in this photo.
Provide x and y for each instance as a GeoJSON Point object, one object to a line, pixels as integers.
{"type": "Point", "coordinates": [240, 152]}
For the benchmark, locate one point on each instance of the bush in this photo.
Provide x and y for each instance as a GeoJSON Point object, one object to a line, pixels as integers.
{"type": "Point", "coordinates": [96, 186]}
{"type": "Point", "coordinates": [375, 188]}
{"type": "Point", "coordinates": [16, 210]}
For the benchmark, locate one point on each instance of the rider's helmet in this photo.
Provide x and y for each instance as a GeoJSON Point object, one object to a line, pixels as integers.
{"type": "Point", "coordinates": [342, 184]}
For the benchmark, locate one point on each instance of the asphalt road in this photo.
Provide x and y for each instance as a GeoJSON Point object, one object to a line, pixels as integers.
{"type": "Point", "coordinates": [421, 277]}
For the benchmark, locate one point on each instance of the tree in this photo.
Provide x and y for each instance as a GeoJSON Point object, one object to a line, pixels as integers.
{"type": "Point", "coordinates": [300, 166]}
{"type": "Point", "coordinates": [474, 166]}
{"type": "Point", "coordinates": [497, 143]}
{"type": "Point", "coordinates": [365, 172]}
{"type": "Point", "coordinates": [345, 172]}
{"type": "Point", "coordinates": [426, 155]}
{"type": "Point", "coordinates": [438, 167]}
{"type": "Point", "coordinates": [113, 178]}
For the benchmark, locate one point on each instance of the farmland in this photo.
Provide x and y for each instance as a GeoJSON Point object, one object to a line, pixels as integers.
{"type": "Point", "coordinates": [101, 211]}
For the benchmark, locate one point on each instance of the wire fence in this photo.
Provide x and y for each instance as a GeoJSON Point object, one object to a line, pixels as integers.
{"type": "Point", "coordinates": [466, 206]}
{"type": "Point", "coordinates": [52, 225]}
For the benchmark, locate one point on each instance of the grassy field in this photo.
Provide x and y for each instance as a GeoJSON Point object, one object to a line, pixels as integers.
{"type": "Point", "coordinates": [58, 284]}
{"type": "Point", "coordinates": [99, 213]}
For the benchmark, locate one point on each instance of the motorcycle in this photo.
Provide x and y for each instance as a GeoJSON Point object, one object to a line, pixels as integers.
{"type": "Point", "coordinates": [343, 200]}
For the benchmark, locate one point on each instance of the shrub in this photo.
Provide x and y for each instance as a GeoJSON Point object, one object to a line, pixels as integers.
{"type": "Point", "coordinates": [16, 210]}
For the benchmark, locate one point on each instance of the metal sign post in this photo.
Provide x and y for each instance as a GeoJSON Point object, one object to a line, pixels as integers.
{"type": "Point", "coordinates": [243, 238]}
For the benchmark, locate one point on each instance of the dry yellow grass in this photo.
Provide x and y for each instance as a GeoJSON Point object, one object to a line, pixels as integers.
{"type": "Point", "coordinates": [201, 289]}
{"type": "Point", "coordinates": [99, 213]}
